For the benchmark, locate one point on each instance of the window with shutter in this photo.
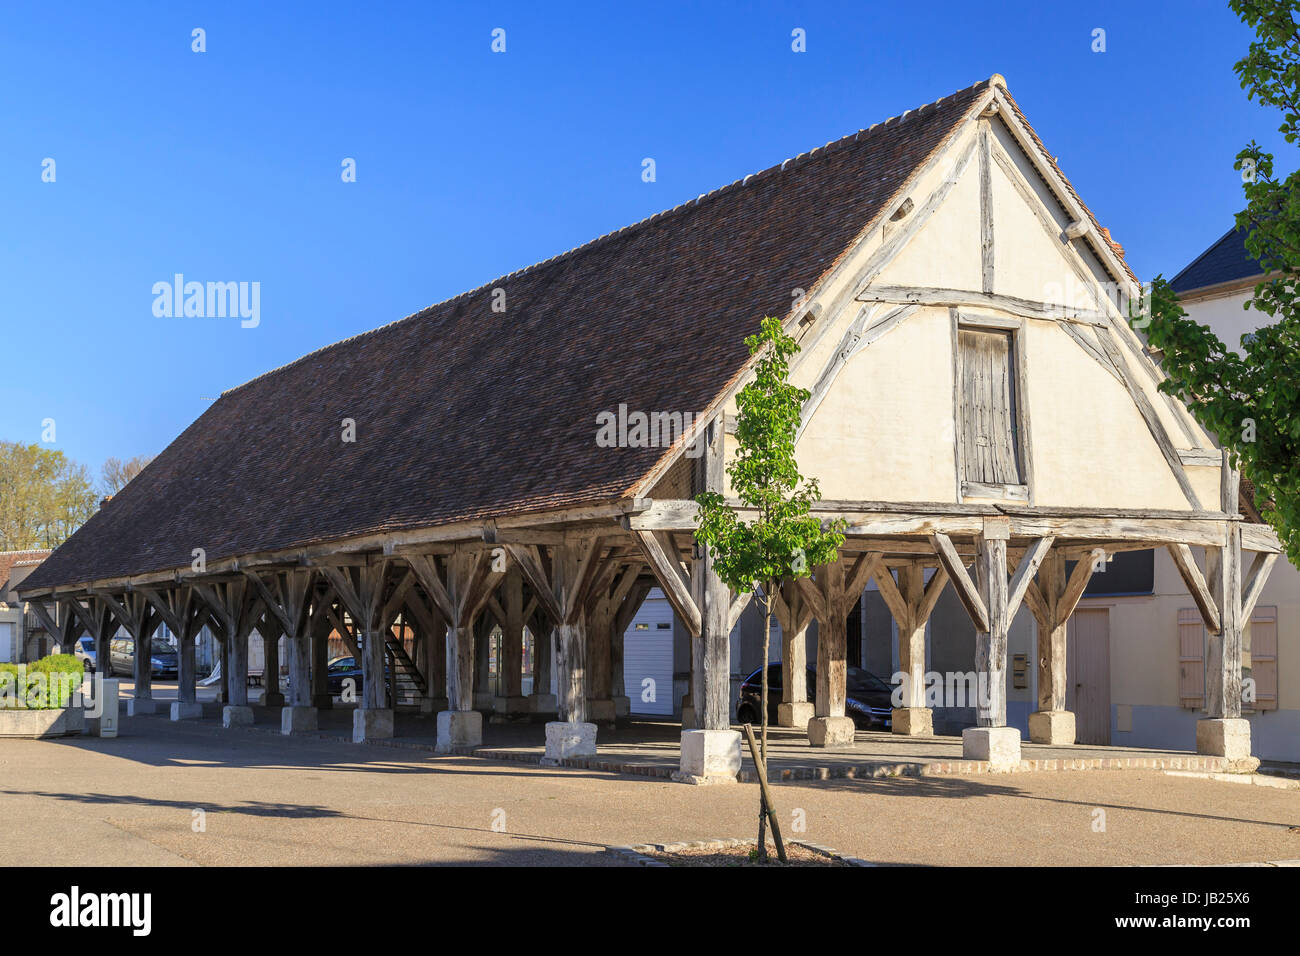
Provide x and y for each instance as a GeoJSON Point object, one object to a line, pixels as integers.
{"type": "Point", "coordinates": [988, 420]}
{"type": "Point", "coordinates": [1259, 657]}
{"type": "Point", "coordinates": [1191, 658]}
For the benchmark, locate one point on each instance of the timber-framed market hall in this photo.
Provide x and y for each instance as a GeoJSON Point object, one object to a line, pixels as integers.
{"type": "Point", "coordinates": [981, 413]}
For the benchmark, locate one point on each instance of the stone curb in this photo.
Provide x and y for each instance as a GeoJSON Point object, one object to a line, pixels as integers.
{"type": "Point", "coordinates": [865, 771]}
{"type": "Point", "coordinates": [878, 769]}
{"type": "Point", "coordinates": [638, 854]}
{"type": "Point", "coordinates": [1254, 779]}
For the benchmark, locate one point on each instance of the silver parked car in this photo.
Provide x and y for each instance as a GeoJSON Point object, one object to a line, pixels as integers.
{"type": "Point", "coordinates": [84, 651]}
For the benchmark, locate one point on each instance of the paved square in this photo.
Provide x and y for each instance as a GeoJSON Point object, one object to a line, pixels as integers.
{"type": "Point", "coordinates": [272, 800]}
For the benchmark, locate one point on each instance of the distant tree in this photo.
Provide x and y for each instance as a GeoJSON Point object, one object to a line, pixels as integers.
{"type": "Point", "coordinates": [116, 472]}
{"type": "Point", "coordinates": [44, 496]}
{"type": "Point", "coordinates": [783, 541]}
{"type": "Point", "coordinates": [1250, 400]}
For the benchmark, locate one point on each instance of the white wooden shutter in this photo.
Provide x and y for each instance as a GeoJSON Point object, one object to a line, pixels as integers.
{"type": "Point", "coordinates": [1191, 658]}
{"type": "Point", "coordinates": [988, 428]}
{"type": "Point", "coordinates": [1263, 657]}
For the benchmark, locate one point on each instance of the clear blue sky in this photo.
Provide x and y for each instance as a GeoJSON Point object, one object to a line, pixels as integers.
{"type": "Point", "coordinates": [225, 165]}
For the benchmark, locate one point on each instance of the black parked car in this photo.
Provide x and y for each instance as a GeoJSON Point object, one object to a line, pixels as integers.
{"type": "Point", "coordinates": [339, 670]}
{"type": "Point", "coordinates": [868, 697]}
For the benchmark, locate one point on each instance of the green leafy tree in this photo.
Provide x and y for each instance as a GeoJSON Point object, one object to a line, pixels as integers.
{"type": "Point", "coordinates": [44, 496]}
{"type": "Point", "coordinates": [783, 540]}
{"type": "Point", "coordinates": [1249, 397]}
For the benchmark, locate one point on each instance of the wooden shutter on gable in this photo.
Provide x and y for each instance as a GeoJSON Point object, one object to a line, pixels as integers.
{"type": "Point", "coordinates": [988, 409]}
{"type": "Point", "coordinates": [1191, 658]}
{"type": "Point", "coordinates": [1263, 657]}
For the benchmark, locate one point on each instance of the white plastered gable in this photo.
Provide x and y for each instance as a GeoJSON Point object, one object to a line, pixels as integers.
{"type": "Point", "coordinates": [883, 426]}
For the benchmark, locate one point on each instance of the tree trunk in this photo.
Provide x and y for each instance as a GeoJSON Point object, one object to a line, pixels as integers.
{"type": "Point", "coordinates": [762, 745]}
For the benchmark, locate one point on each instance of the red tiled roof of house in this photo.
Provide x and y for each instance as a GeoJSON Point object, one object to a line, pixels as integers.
{"type": "Point", "coordinates": [16, 559]}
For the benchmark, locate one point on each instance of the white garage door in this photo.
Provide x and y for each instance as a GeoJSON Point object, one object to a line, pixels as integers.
{"type": "Point", "coordinates": [6, 643]}
{"type": "Point", "coordinates": [648, 657]}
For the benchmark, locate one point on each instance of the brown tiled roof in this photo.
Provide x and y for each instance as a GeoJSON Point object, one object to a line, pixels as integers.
{"type": "Point", "coordinates": [465, 413]}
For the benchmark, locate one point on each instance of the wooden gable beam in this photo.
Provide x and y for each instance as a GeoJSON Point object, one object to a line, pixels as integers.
{"type": "Point", "coordinates": [913, 224]}
{"type": "Point", "coordinates": [1195, 581]}
{"type": "Point", "coordinates": [426, 569]}
{"type": "Point", "coordinates": [1078, 583]}
{"type": "Point", "coordinates": [528, 558]}
{"type": "Point", "coordinates": [1115, 362]}
{"type": "Point", "coordinates": [667, 569]}
{"type": "Point", "coordinates": [164, 603]}
{"type": "Point", "coordinates": [893, 599]}
{"type": "Point", "coordinates": [397, 600]}
{"type": "Point", "coordinates": [268, 599]}
{"type": "Point", "coordinates": [88, 616]}
{"type": "Point", "coordinates": [862, 332]}
{"type": "Point", "coordinates": [1149, 416]}
{"type": "Point", "coordinates": [986, 211]}
{"type": "Point", "coordinates": [51, 626]}
{"type": "Point", "coordinates": [738, 605]}
{"type": "Point", "coordinates": [1025, 571]}
{"type": "Point", "coordinates": [861, 571]}
{"type": "Point", "coordinates": [967, 592]}
{"type": "Point", "coordinates": [124, 617]}
{"type": "Point", "coordinates": [811, 594]}
{"type": "Point", "coordinates": [930, 596]}
{"type": "Point", "coordinates": [1256, 578]}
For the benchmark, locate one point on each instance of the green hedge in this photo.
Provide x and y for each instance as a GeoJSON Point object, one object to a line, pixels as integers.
{"type": "Point", "coordinates": [46, 684]}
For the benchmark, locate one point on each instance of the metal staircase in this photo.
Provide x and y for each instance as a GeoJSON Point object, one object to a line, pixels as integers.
{"type": "Point", "coordinates": [406, 685]}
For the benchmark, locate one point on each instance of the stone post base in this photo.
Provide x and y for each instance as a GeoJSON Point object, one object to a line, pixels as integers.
{"type": "Point", "coordinates": [831, 731]}
{"type": "Point", "coordinates": [622, 706]}
{"type": "Point", "coordinates": [568, 738]}
{"type": "Point", "coordinates": [186, 710]}
{"type": "Point", "coordinates": [1052, 727]}
{"type": "Point", "coordinates": [709, 756]}
{"type": "Point", "coordinates": [544, 703]}
{"type": "Point", "coordinates": [298, 720]}
{"type": "Point", "coordinates": [912, 721]}
{"type": "Point", "coordinates": [600, 710]}
{"type": "Point", "coordinates": [369, 724]}
{"type": "Point", "coordinates": [141, 705]}
{"type": "Point", "coordinates": [272, 698]}
{"type": "Point", "coordinates": [795, 713]}
{"type": "Point", "coordinates": [234, 715]}
{"type": "Point", "coordinates": [1000, 746]}
{"type": "Point", "coordinates": [459, 729]}
{"type": "Point", "coordinates": [322, 701]}
{"type": "Point", "coordinates": [1226, 737]}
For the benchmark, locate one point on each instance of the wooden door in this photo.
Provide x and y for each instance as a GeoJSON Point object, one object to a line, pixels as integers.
{"type": "Point", "coordinates": [1088, 674]}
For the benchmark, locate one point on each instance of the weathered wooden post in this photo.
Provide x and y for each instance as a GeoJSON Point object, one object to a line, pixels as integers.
{"type": "Point", "coordinates": [794, 615]}
{"type": "Point", "coordinates": [1223, 732]}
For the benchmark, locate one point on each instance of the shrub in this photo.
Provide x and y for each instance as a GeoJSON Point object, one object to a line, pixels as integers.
{"type": "Point", "coordinates": [45, 684]}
